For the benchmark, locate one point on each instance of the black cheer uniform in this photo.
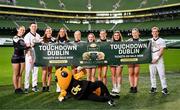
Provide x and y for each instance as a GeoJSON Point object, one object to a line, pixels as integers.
{"type": "Point", "coordinates": [19, 47]}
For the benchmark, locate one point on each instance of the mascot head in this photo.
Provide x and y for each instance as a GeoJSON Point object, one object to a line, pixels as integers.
{"type": "Point", "coordinates": [63, 77]}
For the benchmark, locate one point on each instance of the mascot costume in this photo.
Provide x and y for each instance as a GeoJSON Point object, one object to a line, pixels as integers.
{"type": "Point", "coordinates": [81, 89]}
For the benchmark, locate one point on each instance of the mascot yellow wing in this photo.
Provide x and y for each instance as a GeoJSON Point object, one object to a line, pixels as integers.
{"type": "Point", "coordinates": [79, 75]}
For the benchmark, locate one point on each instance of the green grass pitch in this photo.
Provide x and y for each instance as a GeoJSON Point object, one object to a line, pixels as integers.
{"type": "Point", "coordinates": [142, 100]}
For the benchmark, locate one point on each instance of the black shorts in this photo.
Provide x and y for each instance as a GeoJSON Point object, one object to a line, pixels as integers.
{"type": "Point", "coordinates": [17, 59]}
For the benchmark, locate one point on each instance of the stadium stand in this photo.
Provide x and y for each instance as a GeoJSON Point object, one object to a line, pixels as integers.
{"type": "Point", "coordinates": [108, 4]}
{"type": "Point", "coordinates": [121, 26]}
{"type": "Point", "coordinates": [41, 25]}
{"type": "Point", "coordinates": [149, 24]}
{"type": "Point", "coordinates": [8, 2]}
{"type": "Point", "coordinates": [55, 25]}
{"type": "Point", "coordinates": [99, 26]}
{"type": "Point", "coordinates": [7, 23]}
{"type": "Point", "coordinates": [81, 5]}
{"type": "Point", "coordinates": [82, 27]}
{"type": "Point", "coordinates": [96, 26]}
{"type": "Point", "coordinates": [152, 15]}
{"type": "Point", "coordinates": [28, 3]}
{"type": "Point", "coordinates": [52, 5]}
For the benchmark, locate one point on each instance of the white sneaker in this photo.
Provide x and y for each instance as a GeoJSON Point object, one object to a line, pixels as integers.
{"type": "Point", "coordinates": [114, 94]}
{"type": "Point", "coordinates": [117, 90]}
{"type": "Point", "coordinates": [113, 90]}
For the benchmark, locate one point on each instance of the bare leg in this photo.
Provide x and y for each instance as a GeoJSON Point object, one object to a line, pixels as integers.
{"type": "Point", "coordinates": [15, 74]}
{"type": "Point", "coordinates": [44, 74]}
{"type": "Point", "coordinates": [104, 72]}
{"type": "Point", "coordinates": [22, 67]}
{"type": "Point", "coordinates": [49, 76]}
{"type": "Point", "coordinates": [119, 77]}
{"type": "Point", "coordinates": [100, 73]}
{"type": "Point", "coordinates": [136, 74]}
{"type": "Point", "coordinates": [131, 75]}
{"type": "Point", "coordinates": [88, 74]}
{"type": "Point", "coordinates": [113, 70]}
{"type": "Point", "coordinates": [93, 73]}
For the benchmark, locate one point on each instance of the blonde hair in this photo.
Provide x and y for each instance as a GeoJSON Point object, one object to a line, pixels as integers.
{"type": "Point", "coordinates": [20, 27]}
{"type": "Point", "coordinates": [120, 35]}
{"type": "Point", "coordinates": [92, 35]}
{"type": "Point", "coordinates": [155, 28]}
{"type": "Point", "coordinates": [66, 35]}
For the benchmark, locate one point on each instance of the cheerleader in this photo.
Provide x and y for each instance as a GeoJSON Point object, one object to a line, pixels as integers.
{"type": "Point", "coordinates": [61, 38]}
{"type": "Point", "coordinates": [18, 59]}
{"type": "Point", "coordinates": [47, 70]}
{"type": "Point", "coordinates": [134, 69]}
{"type": "Point", "coordinates": [102, 70]}
{"type": "Point", "coordinates": [116, 70]}
{"type": "Point", "coordinates": [91, 70]}
{"type": "Point", "coordinates": [77, 39]}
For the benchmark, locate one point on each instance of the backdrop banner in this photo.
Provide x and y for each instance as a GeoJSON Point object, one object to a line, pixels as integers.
{"type": "Point", "coordinates": [89, 54]}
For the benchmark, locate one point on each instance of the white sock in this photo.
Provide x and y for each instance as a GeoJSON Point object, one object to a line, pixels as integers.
{"type": "Point", "coordinates": [114, 88]}
{"type": "Point", "coordinates": [118, 88]}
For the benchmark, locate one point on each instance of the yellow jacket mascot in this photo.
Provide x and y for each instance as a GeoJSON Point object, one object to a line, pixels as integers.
{"type": "Point", "coordinates": [81, 89]}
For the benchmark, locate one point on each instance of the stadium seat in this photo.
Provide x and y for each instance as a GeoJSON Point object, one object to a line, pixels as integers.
{"type": "Point", "coordinates": [81, 5]}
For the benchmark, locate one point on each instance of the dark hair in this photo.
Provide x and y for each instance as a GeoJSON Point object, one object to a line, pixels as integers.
{"type": "Point", "coordinates": [32, 23]}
